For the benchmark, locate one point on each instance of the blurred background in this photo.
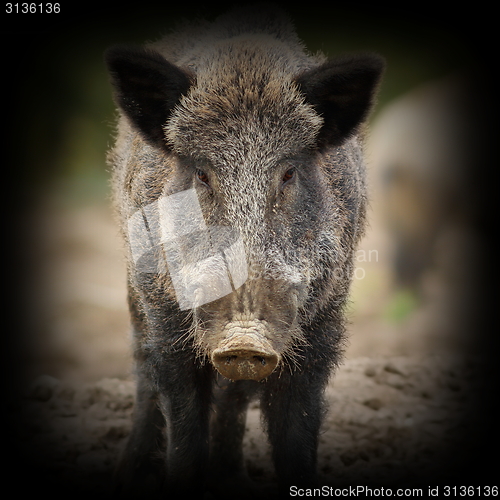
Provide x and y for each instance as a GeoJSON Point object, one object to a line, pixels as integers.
{"type": "Point", "coordinates": [420, 272]}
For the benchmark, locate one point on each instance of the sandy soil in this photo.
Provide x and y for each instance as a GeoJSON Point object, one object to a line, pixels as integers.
{"type": "Point", "coordinates": [400, 406]}
{"type": "Point", "coordinates": [392, 421]}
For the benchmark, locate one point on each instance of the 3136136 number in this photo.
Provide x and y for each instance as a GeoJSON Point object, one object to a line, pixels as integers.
{"type": "Point", "coordinates": [32, 8]}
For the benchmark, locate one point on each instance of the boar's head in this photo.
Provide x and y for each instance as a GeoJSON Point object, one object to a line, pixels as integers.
{"type": "Point", "coordinates": [259, 202]}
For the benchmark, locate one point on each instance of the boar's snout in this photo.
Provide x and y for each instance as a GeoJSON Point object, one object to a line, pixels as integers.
{"type": "Point", "coordinates": [245, 356]}
{"type": "Point", "coordinates": [244, 364]}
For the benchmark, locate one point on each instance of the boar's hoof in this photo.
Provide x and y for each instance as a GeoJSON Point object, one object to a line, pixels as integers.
{"type": "Point", "coordinates": [246, 364]}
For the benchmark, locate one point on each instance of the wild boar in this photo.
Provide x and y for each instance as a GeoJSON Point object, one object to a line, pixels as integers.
{"type": "Point", "coordinates": [240, 188]}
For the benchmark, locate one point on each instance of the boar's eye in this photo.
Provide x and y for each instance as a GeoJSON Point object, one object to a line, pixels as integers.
{"type": "Point", "coordinates": [288, 176]}
{"type": "Point", "coordinates": [202, 177]}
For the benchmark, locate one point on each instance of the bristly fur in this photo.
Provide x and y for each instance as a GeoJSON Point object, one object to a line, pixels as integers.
{"type": "Point", "coordinates": [267, 138]}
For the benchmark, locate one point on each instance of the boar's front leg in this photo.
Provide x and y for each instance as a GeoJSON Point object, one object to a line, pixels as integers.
{"type": "Point", "coordinates": [140, 469]}
{"type": "Point", "coordinates": [184, 400]}
{"type": "Point", "coordinates": [293, 417]}
{"type": "Point", "coordinates": [227, 469]}
{"type": "Point", "coordinates": [172, 412]}
{"type": "Point", "coordinates": [293, 407]}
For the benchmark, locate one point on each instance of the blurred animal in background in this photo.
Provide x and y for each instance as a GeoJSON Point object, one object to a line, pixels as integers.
{"type": "Point", "coordinates": [420, 154]}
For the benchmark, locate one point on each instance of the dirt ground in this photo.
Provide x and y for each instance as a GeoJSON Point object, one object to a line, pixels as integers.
{"type": "Point", "coordinates": [400, 405]}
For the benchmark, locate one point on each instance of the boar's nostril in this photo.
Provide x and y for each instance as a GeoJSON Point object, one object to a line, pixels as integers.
{"type": "Point", "coordinates": [230, 359]}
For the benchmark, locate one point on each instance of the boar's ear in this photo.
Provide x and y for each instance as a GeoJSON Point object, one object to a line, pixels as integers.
{"type": "Point", "coordinates": [147, 87]}
{"type": "Point", "coordinates": [342, 92]}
